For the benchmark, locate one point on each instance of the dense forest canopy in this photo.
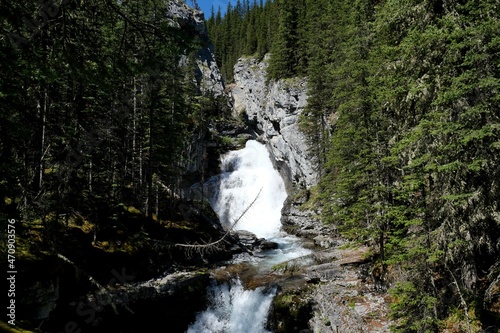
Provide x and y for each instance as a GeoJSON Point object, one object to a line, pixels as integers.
{"type": "Point", "coordinates": [99, 106]}
{"type": "Point", "coordinates": [406, 97]}
{"type": "Point", "coordinates": [246, 28]}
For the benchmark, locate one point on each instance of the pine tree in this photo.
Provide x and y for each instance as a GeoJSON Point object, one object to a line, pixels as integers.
{"type": "Point", "coordinates": [320, 34]}
{"type": "Point", "coordinates": [284, 48]}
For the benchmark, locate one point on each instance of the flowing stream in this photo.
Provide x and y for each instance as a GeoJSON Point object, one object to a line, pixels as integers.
{"type": "Point", "coordinates": [247, 176]}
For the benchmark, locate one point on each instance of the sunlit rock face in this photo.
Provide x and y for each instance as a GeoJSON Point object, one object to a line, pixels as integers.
{"type": "Point", "coordinates": [273, 110]}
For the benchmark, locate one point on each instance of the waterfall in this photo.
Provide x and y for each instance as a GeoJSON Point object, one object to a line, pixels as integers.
{"type": "Point", "coordinates": [246, 173]}
{"type": "Point", "coordinates": [234, 310]}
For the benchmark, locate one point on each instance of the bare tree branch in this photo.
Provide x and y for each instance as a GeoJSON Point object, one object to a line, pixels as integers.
{"type": "Point", "coordinates": [102, 290]}
{"type": "Point", "coordinates": [215, 246]}
{"type": "Point", "coordinates": [462, 299]}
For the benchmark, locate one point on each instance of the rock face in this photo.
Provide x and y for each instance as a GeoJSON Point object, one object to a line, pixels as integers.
{"type": "Point", "coordinates": [208, 76]}
{"type": "Point", "coordinates": [330, 291]}
{"type": "Point", "coordinates": [201, 154]}
{"type": "Point", "coordinates": [185, 17]}
{"type": "Point", "coordinates": [347, 299]}
{"type": "Point", "coordinates": [273, 111]}
{"type": "Point", "coordinates": [306, 223]}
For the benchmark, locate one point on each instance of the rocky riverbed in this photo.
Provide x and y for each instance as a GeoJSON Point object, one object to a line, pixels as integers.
{"type": "Point", "coordinates": [333, 291]}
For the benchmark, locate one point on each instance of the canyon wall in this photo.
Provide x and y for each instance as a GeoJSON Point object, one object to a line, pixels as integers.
{"type": "Point", "coordinates": [272, 109]}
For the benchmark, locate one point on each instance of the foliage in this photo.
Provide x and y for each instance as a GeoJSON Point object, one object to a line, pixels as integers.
{"type": "Point", "coordinates": [403, 117]}
{"type": "Point", "coordinates": [97, 109]}
{"type": "Point", "coordinates": [245, 29]}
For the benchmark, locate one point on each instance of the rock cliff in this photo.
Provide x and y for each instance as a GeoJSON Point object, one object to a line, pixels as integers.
{"type": "Point", "coordinates": [203, 151]}
{"type": "Point", "coordinates": [273, 110]}
{"type": "Point", "coordinates": [208, 76]}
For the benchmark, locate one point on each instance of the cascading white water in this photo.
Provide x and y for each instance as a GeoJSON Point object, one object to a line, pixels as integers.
{"type": "Point", "coordinates": [234, 310]}
{"type": "Point", "coordinates": [246, 173]}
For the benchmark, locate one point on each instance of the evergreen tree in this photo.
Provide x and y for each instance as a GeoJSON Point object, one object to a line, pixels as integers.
{"type": "Point", "coordinates": [320, 32]}
{"type": "Point", "coordinates": [95, 111]}
{"type": "Point", "coordinates": [285, 49]}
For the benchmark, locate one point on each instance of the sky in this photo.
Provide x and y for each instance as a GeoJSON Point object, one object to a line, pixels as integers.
{"type": "Point", "coordinates": [206, 5]}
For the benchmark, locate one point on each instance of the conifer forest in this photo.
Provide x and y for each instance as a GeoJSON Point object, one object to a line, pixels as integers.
{"type": "Point", "coordinates": [403, 116]}
{"type": "Point", "coordinates": [100, 111]}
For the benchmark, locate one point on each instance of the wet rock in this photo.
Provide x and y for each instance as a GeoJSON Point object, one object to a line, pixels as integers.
{"type": "Point", "coordinates": [141, 307]}
{"type": "Point", "coordinates": [250, 241]}
{"type": "Point", "coordinates": [314, 280]}
{"type": "Point", "coordinates": [268, 245]}
{"type": "Point", "coordinates": [325, 241]}
{"type": "Point", "coordinates": [306, 223]}
{"type": "Point", "coordinates": [300, 222]}
{"type": "Point", "coordinates": [246, 238]}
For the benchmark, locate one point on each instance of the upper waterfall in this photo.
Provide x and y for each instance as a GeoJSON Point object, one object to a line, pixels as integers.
{"type": "Point", "coordinates": [248, 173]}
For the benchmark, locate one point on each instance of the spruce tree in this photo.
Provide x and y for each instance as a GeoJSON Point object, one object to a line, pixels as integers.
{"type": "Point", "coordinates": [284, 46]}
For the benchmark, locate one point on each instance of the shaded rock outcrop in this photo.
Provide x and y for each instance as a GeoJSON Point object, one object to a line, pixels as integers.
{"type": "Point", "coordinates": [208, 76]}
{"type": "Point", "coordinates": [492, 299]}
{"type": "Point", "coordinates": [208, 140]}
{"type": "Point", "coordinates": [171, 300]}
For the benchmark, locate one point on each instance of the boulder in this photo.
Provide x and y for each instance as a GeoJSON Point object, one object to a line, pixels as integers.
{"type": "Point", "coordinates": [268, 245]}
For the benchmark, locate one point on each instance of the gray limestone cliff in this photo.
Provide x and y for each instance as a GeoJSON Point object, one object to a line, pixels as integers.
{"type": "Point", "coordinates": [273, 110]}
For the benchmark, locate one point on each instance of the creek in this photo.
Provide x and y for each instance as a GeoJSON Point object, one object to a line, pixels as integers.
{"type": "Point", "coordinates": [248, 187]}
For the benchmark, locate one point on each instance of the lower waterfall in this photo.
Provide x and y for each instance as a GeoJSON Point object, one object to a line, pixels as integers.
{"type": "Point", "coordinates": [234, 310]}
{"type": "Point", "coordinates": [247, 174]}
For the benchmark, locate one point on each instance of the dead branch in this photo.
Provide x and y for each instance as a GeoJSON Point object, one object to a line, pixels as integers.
{"type": "Point", "coordinates": [462, 299]}
{"type": "Point", "coordinates": [101, 289]}
{"type": "Point", "coordinates": [166, 188]}
{"type": "Point", "coordinates": [216, 245]}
